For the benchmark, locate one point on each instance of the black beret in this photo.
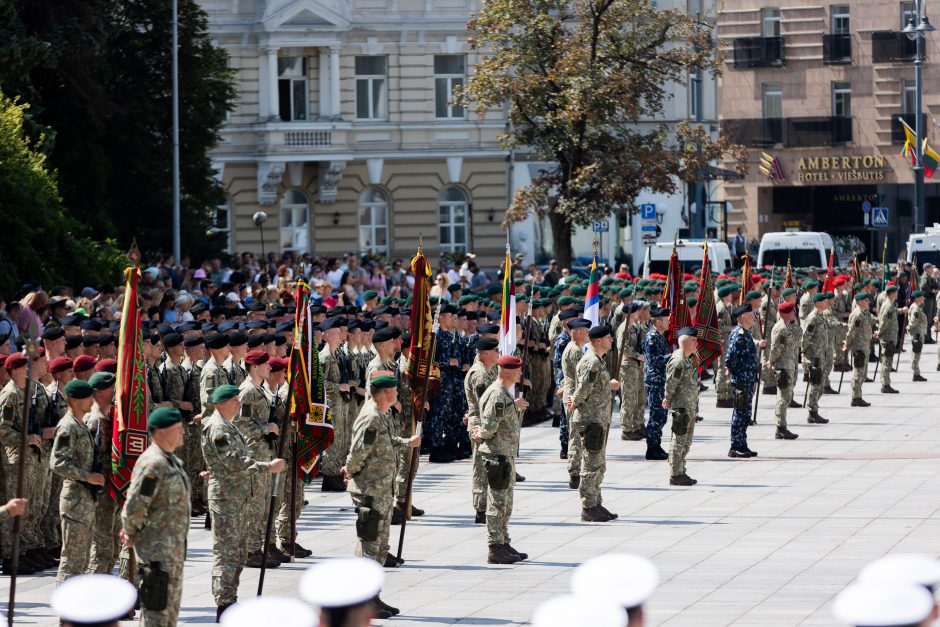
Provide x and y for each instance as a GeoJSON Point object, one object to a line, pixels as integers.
{"type": "Point", "coordinates": [601, 330]}
{"type": "Point", "coordinates": [72, 341]}
{"type": "Point", "coordinates": [386, 334]}
{"type": "Point", "coordinates": [192, 325]}
{"type": "Point", "coordinates": [90, 340]}
{"type": "Point", "coordinates": [90, 325]}
{"type": "Point", "coordinates": [487, 344]}
{"type": "Point", "coordinates": [580, 323]}
{"type": "Point", "coordinates": [256, 340]}
{"type": "Point", "coordinates": [52, 333]}
{"type": "Point", "coordinates": [216, 341]}
{"type": "Point", "coordinates": [280, 340]}
{"type": "Point", "coordinates": [282, 327]}
{"type": "Point", "coordinates": [741, 309]}
{"type": "Point", "coordinates": [193, 340]}
{"type": "Point", "coordinates": [228, 325]}
{"type": "Point", "coordinates": [487, 328]}
{"type": "Point", "coordinates": [267, 338]}
{"type": "Point", "coordinates": [367, 325]}
{"type": "Point", "coordinates": [237, 339]}
{"type": "Point", "coordinates": [256, 324]}
{"type": "Point", "coordinates": [568, 314]}
{"type": "Point", "coordinates": [329, 323]}
{"type": "Point", "coordinates": [172, 339]}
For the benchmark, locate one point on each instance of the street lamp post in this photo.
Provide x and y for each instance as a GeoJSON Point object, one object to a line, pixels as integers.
{"type": "Point", "coordinates": [916, 30]}
{"type": "Point", "coordinates": [259, 219]}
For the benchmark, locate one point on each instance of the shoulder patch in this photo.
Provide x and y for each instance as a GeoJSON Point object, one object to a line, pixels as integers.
{"type": "Point", "coordinates": [63, 441]}
{"type": "Point", "coordinates": [8, 413]}
{"type": "Point", "coordinates": [811, 327]}
{"type": "Point", "coordinates": [500, 406]}
{"type": "Point", "coordinates": [858, 322]}
{"type": "Point", "coordinates": [149, 485]}
{"type": "Point", "coordinates": [246, 410]}
{"type": "Point", "coordinates": [221, 442]}
{"type": "Point", "coordinates": [481, 387]}
{"type": "Point", "coordinates": [369, 437]}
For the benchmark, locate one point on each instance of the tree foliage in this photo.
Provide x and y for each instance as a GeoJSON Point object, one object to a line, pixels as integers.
{"type": "Point", "coordinates": [97, 74]}
{"type": "Point", "coordinates": [40, 242]}
{"type": "Point", "coordinates": [579, 76]}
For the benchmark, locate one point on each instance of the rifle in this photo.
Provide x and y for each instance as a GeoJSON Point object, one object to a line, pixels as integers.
{"type": "Point", "coordinates": [272, 418]}
{"type": "Point", "coordinates": [763, 333]}
{"type": "Point", "coordinates": [416, 428]}
{"type": "Point", "coordinates": [874, 376]}
{"type": "Point", "coordinates": [31, 348]}
{"type": "Point", "coordinates": [903, 333]}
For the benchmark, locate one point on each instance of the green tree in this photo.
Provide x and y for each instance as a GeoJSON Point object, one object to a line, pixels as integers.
{"type": "Point", "coordinates": [41, 243]}
{"type": "Point", "coordinates": [578, 77]}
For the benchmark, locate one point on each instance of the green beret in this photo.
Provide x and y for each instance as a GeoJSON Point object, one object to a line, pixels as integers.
{"type": "Point", "coordinates": [102, 380]}
{"type": "Point", "coordinates": [555, 291]}
{"type": "Point", "coordinates": [164, 417]}
{"type": "Point", "coordinates": [690, 287]}
{"type": "Point", "coordinates": [579, 290]}
{"type": "Point", "coordinates": [691, 301]}
{"type": "Point", "coordinates": [809, 284]}
{"type": "Point", "coordinates": [916, 294]}
{"type": "Point", "coordinates": [891, 288]}
{"type": "Point", "coordinates": [752, 295]}
{"type": "Point", "coordinates": [819, 297]}
{"type": "Point", "coordinates": [861, 296]}
{"type": "Point", "coordinates": [496, 288]}
{"type": "Point", "coordinates": [369, 295]}
{"type": "Point", "coordinates": [788, 291]}
{"type": "Point", "coordinates": [627, 291]}
{"type": "Point", "coordinates": [382, 379]}
{"type": "Point", "coordinates": [724, 291]}
{"type": "Point", "coordinates": [565, 300]}
{"type": "Point", "coordinates": [830, 296]}
{"type": "Point", "coordinates": [78, 389]}
{"type": "Point", "coordinates": [224, 393]}
{"type": "Point", "coordinates": [876, 283]}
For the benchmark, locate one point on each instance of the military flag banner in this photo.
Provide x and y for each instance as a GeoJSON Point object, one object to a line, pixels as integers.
{"type": "Point", "coordinates": [507, 318]}
{"type": "Point", "coordinates": [423, 373]}
{"type": "Point", "coordinates": [592, 300]}
{"type": "Point", "coordinates": [305, 381]}
{"type": "Point", "coordinates": [829, 285]}
{"type": "Point", "coordinates": [707, 328]}
{"type": "Point", "coordinates": [788, 282]}
{"type": "Point", "coordinates": [915, 277]}
{"type": "Point", "coordinates": [747, 282]}
{"type": "Point", "coordinates": [674, 300]}
{"type": "Point", "coordinates": [129, 437]}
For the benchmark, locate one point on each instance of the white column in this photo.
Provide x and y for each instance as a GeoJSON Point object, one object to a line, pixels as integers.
{"type": "Point", "coordinates": [273, 104]}
{"type": "Point", "coordinates": [334, 82]}
{"type": "Point", "coordinates": [264, 101]}
{"type": "Point", "coordinates": [324, 70]}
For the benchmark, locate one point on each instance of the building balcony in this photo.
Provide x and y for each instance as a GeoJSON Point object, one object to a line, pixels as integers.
{"type": "Point", "coordinates": [888, 46]}
{"type": "Point", "coordinates": [837, 49]}
{"type": "Point", "coordinates": [753, 52]}
{"type": "Point", "coordinates": [897, 130]}
{"type": "Point", "coordinates": [802, 132]}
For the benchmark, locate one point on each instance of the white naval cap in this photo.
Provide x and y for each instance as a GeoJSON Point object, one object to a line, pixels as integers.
{"type": "Point", "coordinates": [341, 582]}
{"type": "Point", "coordinates": [280, 611]}
{"type": "Point", "coordinates": [571, 610]}
{"type": "Point", "coordinates": [93, 599]}
{"type": "Point", "coordinates": [628, 580]}
{"type": "Point", "coordinates": [916, 568]}
{"type": "Point", "coordinates": [882, 604]}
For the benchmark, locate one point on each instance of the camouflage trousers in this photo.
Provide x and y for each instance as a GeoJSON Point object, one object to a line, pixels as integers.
{"type": "Point", "coordinates": [915, 357]}
{"type": "Point", "coordinates": [478, 483]}
{"type": "Point", "coordinates": [259, 502]}
{"type": "Point", "coordinates": [334, 457]}
{"type": "Point", "coordinates": [816, 390]}
{"type": "Point", "coordinates": [887, 363]}
{"type": "Point", "coordinates": [376, 549]}
{"type": "Point", "coordinates": [105, 544]}
{"type": "Point", "coordinates": [680, 447]}
{"type": "Point", "coordinates": [193, 462]}
{"type": "Point", "coordinates": [784, 396]}
{"type": "Point", "coordinates": [49, 526]}
{"type": "Point", "coordinates": [722, 380]}
{"type": "Point", "coordinates": [741, 419]}
{"type": "Point", "coordinates": [229, 547]}
{"type": "Point", "coordinates": [31, 468]}
{"type": "Point", "coordinates": [575, 450]}
{"type": "Point", "coordinates": [38, 483]}
{"type": "Point", "coordinates": [499, 508]}
{"type": "Point", "coordinates": [632, 397]}
{"type": "Point", "coordinates": [541, 380]}
{"type": "Point", "coordinates": [658, 416]}
{"type": "Point", "coordinates": [77, 510]}
{"type": "Point", "coordinates": [169, 616]}
{"type": "Point", "coordinates": [858, 378]}
{"type": "Point", "coordinates": [403, 461]}
{"type": "Point", "coordinates": [284, 493]}
{"type": "Point", "coordinates": [593, 467]}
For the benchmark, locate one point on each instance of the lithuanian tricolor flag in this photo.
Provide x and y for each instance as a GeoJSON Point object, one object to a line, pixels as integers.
{"type": "Point", "coordinates": [507, 320]}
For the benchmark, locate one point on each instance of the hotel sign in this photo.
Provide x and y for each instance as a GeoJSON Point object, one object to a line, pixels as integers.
{"type": "Point", "coordinates": [842, 169]}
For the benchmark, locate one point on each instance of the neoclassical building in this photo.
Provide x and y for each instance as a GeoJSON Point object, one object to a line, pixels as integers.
{"type": "Point", "coordinates": [346, 134]}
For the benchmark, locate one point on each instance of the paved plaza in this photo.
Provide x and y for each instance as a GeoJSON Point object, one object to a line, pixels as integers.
{"type": "Point", "coordinates": [765, 541]}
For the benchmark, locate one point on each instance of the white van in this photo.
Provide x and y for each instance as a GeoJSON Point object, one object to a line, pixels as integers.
{"type": "Point", "coordinates": [690, 256]}
{"type": "Point", "coordinates": [926, 245]}
{"type": "Point", "coordinates": [804, 249]}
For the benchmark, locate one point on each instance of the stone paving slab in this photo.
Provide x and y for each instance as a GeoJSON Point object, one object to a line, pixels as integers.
{"type": "Point", "coordinates": [765, 541]}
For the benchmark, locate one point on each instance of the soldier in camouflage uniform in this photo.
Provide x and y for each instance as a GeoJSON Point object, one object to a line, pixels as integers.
{"type": "Point", "coordinates": [104, 546]}
{"type": "Point", "coordinates": [75, 459]}
{"type": "Point", "coordinates": [857, 343]}
{"type": "Point", "coordinates": [744, 369]}
{"type": "Point", "coordinates": [768, 310]}
{"type": "Point", "coordinates": [232, 471]}
{"type": "Point", "coordinates": [835, 333]}
{"type": "Point", "coordinates": [841, 309]}
{"type": "Point", "coordinates": [235, 364]}
{"type": "Point", "coordinates": [783, 357]}
{"type": "Point", "coordinates": [191, 452]}
{"type": "Point", "coordinates": [810, 289]}
{"type": "Point", "coordinates": [917, 327]}
{"type": "Point", "coordinates": [253, 423]}
{"type": "Point", "coordinates": [591, 406]}
{"type": "Point", "coordinates": [213, 374]}
{"type": "Point", "coordinates": [816, 351]}
{"type": "Point", "coordinates": [681, 396]}
{"type": "Point", "coordinates": [722, 383]}
{"type": "Point", "coordinates": [497, 437]}
{"type": "Point", "coordinates": [43, 521]}
{"type": "Point", "coordinates": [481, 375]}
{"type": "Point", "coordinates": [333, 458]}
{"type": "Point", "coordinates": [371, 467]}
{"type": "Point", "coordinates": [888, 336]}
{"type": "Point", "coordinates": [155, 518]}
{"type": "Point", "coordinates": [632, 401]}
{"type": "Point", "coordinates": [656, 354]}
{"type": "Point", "coordinates": [569, 366]}
{"type": "Point", "coordinates": [408, 426]}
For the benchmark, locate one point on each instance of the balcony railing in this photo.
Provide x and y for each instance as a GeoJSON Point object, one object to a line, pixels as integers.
{"type": "Point", "coordinates": [802, 132]}
{"type": "Point", "coordinates": [888, 46]}
{"type": "Point", "coordinates": [751, 52]}
{"type": "Point", "coordinates": [897, 130]}
{"type": "Point", "coordinates": [837, 49]}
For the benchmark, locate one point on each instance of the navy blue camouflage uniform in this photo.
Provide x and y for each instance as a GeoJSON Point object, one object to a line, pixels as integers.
{"type": "Point", "coordinates": [656, 353]}
{"type": "Point", "coordinates": [741, 361]}
{"type": "Point", "coordinates": [561, 341]}
{"type": "Point", "coordinates": [444, 422]}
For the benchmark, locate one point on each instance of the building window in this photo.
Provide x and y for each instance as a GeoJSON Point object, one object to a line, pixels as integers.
{"type": "Point", "coordinates": [695, 93]}
{"type": "Point", "coordinates": [450, 72]}
{"type": "Point", "coordinates": [222, 223]}
{"type": "Point", "coordinates": [371, 80]}
{"type": "Point", "coordinates": [454, 213]}
{"type": "Point", "coordinates": [295, 210]}
{"type": "Point", "coordinates": [770, 22]}
{"type": "Point", "coordinates": [909, 97]}
{"type": "Point", "coordinates": [842, 100]}
{"type": "Point", "coordinates": [292, 88]}
{"type": "Point", "coordinates": [839, 17]}
{"type": "Point", "coordinates": [373, 221]}
{"type": "Point", "coordinates": [773, 100]}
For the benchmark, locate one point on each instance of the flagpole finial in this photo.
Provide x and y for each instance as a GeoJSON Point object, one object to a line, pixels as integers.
{"type": "Point", "coordinates": [133, 255]}
{"type": "Point", "coordinates": [597, 245]}
{"type": "Point", "coordinates": [420, 243]}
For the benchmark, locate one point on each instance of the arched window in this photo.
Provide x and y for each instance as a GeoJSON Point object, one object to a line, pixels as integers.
{"type": "Point", "coordinates": [295, 211]}
{"type": "Point", "coordinates": [373, 221]}
{"type": "Point", "coordinates": [454, 211]}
